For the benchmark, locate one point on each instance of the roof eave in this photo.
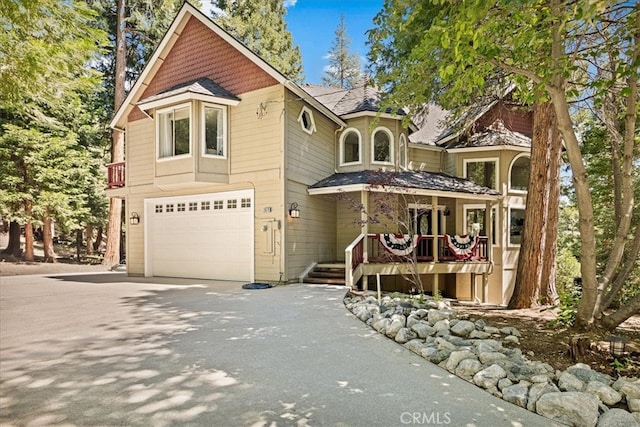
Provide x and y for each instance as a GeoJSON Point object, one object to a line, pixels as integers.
{"type": "Point", "coordinates": [402, 190]}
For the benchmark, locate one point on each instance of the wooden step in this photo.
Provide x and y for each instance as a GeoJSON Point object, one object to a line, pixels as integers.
{"type": "Point", "coordinates": [324, 281]}
{"type": "Point", "coordinates": [328, 274]}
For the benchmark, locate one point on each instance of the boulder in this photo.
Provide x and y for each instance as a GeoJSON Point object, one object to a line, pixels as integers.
{"type": "Point", "coordinates": [423, 329]}
{"type": "Point", "coordinates": [516, 394]}
{"type": "Point", "coordinates": [617, 417]}
{"type": "Point", "coordinates": [489, 377]}
{"type": "Point", "coordinates": [504, 383]}
{"type": "Point", "coordinates": [510, 330]}
{"type": "Point", "coordinates": [606, 394]}
{"type": "Point", "coordinates": [569, 382]}
{"type": "Point", "coordinates": [394, 327]}
{"type": "Point", "coordinates": [415, 345]}
{"type": "Point", "coordinates": [463, 328]}
{"type": "Point", "coordinates": [455, 357]}
{"type": "Point", "coordinates": [633, 404]}
{"type": "Point", "coordinates": [536, 391]}
{"type": "Point", "coordinates": [441, 325]}
{"type": "Point", "coordinates": [404, 335]}
{"type": "Point", "coordinates": [434, 316]}
{"type": "Point", "coordinates": [491, 357]}
{"type": "Point", "coordinates": [381, 325]}
{"type": "Point", "coordinates": [467, 368]}
{"type": "Point", "coordinates": [479, 335]}
{"type": "Point", "coordinates": [441, 343]}
{"type": "Point", "coordinates": [571, 408]}
{"type": "Point", "coordinates": [492, 330]}
{"type": "Point", "coordinates": [585, 374]}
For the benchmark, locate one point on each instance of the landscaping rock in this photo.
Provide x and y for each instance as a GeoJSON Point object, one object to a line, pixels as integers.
{"type": "Point", "coordinates": [511, 339]}
{"type": "Point", "coordinates": [491, 357]}
{"type": "Point", "coordinates": [510, 330]}
{"type": "Point", "coordinates": [570, 408]}
{"type": "Point", "coordinates": [569, 382]}
{"type": "Point", "coordinates": [516, 393]}
{"type": "Point", "coordinates": [415, 345]}
{"type": "Point", "coordinates": [504, 383]}
{"type": "Point", "coordinates": [476, 334]}
{"type": "Point", "coordinates": [606, 394]}
{"type": "Point", "coordinates": [480, 324]}
{"type": "Point", "coordinates": [441, 343]}
{"type": "Point", "coordinates": [434, 355]}
{"type": "Point", "coordinates": [467, 368]}
{"type": "Point", "coordinates": [617, 418]}
{"type": "Point", "coordinates": [463, 328]}
{"type": "Point", "coordinates": [435, 316]}
{"type": "Point", "coordinates": [455, 357]}
{"type": "Point", "coordinates": [404, 335]}
{"type": "Point", "coordinates": [412, 320]}
{"type": "Point", "coordinates": [585, 374]}
{"type": "Point", "coordinates": [441, 325]}
{"type": "Point", "coordinates": [491, 330]}
{"type": "Point", "coordinates": [630, 390]}
{"type": "Point", "coordinates": [423, 329]}
{"type": "Point", "coordinates": [394, 327]}
{"type": "Point", "coordinates": [633, 404]}
{"type": "Point", "coordinates": [489, 377]}
{"type": "Point", "coordinates": [381, 325]}
{"type": "Point", "coordinates": [536, 391]}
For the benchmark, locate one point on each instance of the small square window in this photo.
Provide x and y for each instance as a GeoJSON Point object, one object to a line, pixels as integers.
{"type": "Point", "coordinates": [193, 206]}
{"type": "Point", "coordinates": [232, 204]}
{"type": "Point", "coordinates": [169, 207]}
{"type": "Point", "coordinates": [158, 208]}
{"type": "Point", "coordinates": [218, 204]}
{"type": "Point", "coordinates": [245, 203]}
{"type": "Point", "coordinates": [181, 207]}
{"type": "Point", "coordinates": [205, 206]}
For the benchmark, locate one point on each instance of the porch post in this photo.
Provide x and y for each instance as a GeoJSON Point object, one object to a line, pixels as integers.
{"type": "Point", "coordinates": [434, 231]}
{"type": "Point", "coordinates": [489, 227]}
{"type": "Point", "coordinates": [364, 199]}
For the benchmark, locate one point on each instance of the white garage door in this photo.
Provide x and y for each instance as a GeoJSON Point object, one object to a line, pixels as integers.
{"type": "Point", "coordinates": [208, 236]}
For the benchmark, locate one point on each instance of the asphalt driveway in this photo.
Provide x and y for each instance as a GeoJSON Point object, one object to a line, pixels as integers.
{"type": "Point", "coordinates": [110, 350]}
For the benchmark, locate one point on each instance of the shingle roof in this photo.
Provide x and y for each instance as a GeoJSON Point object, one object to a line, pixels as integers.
{"type": "Point", "coordinates": [495, 135]}
{"type": "Point", "coordinates": [407, 179]}
{"type": "Point", "coordinates": [202, 86]}
{"type": "Point", "coordinates": [347, 101]}
{"type": "Point", "coordinates": [433, 125]}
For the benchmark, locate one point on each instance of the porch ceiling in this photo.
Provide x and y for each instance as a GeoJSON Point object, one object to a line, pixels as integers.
{"type": "Point", "coordinates": [413, 182]}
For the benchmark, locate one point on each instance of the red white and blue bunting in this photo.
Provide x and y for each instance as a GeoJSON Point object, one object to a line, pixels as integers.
{"type": "Point", "coordinates": [463, 247]}
{"type": "Point", "coordinates": [399, 244]}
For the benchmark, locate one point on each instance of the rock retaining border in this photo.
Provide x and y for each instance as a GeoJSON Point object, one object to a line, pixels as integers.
{"type": "Point", "coordinates": [489, 358]}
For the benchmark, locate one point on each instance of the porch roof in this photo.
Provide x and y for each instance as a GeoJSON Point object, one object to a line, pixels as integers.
{"type": "Point", "coordinates": [415, 182]}
{"type": "Point", "coordinates": [203, 88]}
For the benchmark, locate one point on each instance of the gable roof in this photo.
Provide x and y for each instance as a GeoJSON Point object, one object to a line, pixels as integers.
{"type": "Point", "coordinates": [427, 183]}
{"type": "Point", "coordinates": [174, 31]}
{"type": "Point", "coordinates": [495, 135]}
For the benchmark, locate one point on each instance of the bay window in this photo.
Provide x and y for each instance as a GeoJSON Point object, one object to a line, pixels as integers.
{"type": "Point", "coordinates": [174, 131]}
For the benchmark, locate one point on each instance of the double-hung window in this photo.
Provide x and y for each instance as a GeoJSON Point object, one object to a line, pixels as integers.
{"type": "Point", "coordinates": [174, 131]}
{"type": "Point", "coordinates": [214, 130]}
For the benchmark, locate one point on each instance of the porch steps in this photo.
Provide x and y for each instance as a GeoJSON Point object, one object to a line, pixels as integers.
{"type": "Point", "coordinates": [326, 274]}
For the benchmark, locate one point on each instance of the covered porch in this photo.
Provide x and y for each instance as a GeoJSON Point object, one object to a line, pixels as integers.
{"type": "Point", "coordinates": [413, 223]}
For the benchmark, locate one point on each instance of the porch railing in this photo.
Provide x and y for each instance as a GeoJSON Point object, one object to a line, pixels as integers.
{"type": "Point", "coordinates": [424, 250]}
{"type": "Point", "coordinates": [115, 175]}
{"type": "Point", "coordinates": [354, 257]}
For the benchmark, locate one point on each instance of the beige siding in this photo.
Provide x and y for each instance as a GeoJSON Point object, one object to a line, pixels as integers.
{"type": "Point", "coordinates": [140, 152]}
{"type": "Point", "coordinates": [347, 225]}
{"type": "Point", "coordinates": [309, 158]}
{"type": "Point", "coordinates": [426, 159]}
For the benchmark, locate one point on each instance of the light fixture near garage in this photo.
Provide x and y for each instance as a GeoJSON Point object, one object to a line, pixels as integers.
{"type": "Point", "coordinates": [294, 212]}
{"type": "Point", "coordinates": [134, 219]}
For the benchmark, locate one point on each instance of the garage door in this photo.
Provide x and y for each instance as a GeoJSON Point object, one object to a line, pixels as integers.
{"type": "Point", "coordinates": [208, 236]}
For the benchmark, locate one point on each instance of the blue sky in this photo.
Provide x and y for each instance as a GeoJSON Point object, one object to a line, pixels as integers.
{"type": "Point", "coordinates": [313, 22]}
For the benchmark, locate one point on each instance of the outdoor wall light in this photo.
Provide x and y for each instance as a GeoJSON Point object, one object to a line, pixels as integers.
{"type": "Point", "coordinates": [134, 219]}
{"type": "Point", "coordinates": [294, 212]}
{"type": "Point", "coordinates": [617, 345]}
{"type": "Point", "coordinates": [446, 211]}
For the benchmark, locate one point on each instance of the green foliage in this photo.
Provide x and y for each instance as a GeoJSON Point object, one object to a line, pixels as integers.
{"type": "Point", "coordinates": [567, 269]}
{"type": "Point", "coordinates": [344, 66]}
{"type": "Point", "coordinates": [260, 25]}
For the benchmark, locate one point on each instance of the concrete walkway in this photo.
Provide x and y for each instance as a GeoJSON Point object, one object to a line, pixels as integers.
{"type": "Point", "coordinates": [106, 349]}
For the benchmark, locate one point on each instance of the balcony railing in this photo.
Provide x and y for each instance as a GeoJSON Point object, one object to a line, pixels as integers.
{"type": "Point", "coordinates": [115, 175]}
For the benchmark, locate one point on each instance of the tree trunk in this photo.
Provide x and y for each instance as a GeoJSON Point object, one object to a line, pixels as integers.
{"type": "Point", "coordinates": [79, 245]}
{"type": "Point", "coordinates": [112, 252]}
{"type": "Point", "coordinates": [28, 233]}
{"type": "Point", "coordinates": [98, 242]}
{"type": "Point", "coordinates": [535, 277]}
{"type": "Point", "coordinates": [89, 239]}
{"type": "Point", "coordinates": [13, 246]}
{"type": "Point", "coordinates": [47, 239]}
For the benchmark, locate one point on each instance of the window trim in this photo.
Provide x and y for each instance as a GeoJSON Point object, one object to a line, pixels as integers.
{"type": "Point", "coordinates": [165, 111]}
{"type": "Point", "coordinates": [514, 207]}
{"type": "Point", "coordinates": [342, 138]}
{"type": "Point", "coordinates": [465, 162]}
{"type": "Point", "coordinates": [203, 130]}
{"type": "Point", "coordinates": [312, 128]}
{"type": "Point", "coordinates": [442, 224]}
{"type": "Point", "coordinates": [403, 152]}
{"type": "Point", "coordinates": [513, 161]}
{"type": "Point", "coordinates": [391, 161]}
{"type": "Point", "coordinates": [494, 216]}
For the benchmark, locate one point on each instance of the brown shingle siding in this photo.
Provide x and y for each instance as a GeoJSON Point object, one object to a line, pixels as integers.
{"type": "Point", "coordinates": [199, 52]}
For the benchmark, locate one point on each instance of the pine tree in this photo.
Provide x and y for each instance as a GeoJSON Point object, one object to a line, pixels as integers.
{"type": "Point", "coordinates": [260, 25]}
{"type": "Point", "coordinates": [344, 69]}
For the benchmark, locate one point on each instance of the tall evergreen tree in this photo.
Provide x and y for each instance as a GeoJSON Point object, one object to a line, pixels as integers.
{"type": "Point", "coordinates": [260, 25]}
{"type": "Point", "coordinates": [344, 70]}
{"type": "Point", "coordinates": [135, 28]}
{"type": "Point", "coordinates": [44, 81]}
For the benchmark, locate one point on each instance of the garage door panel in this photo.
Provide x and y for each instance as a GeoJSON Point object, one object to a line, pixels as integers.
{"type": "Point", "coordinates": [207, 244]}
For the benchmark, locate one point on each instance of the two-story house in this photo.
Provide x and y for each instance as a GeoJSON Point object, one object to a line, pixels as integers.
{"type": "Point", "coordinates": [234, 172]}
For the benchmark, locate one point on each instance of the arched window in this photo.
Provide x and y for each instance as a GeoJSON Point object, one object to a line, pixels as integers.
{"type": "Point", "coordinates": [382, 151]}
{"type": "Point", "coordinates": [519, 174]}
{"type": "Point", "coordinates": [350, 147]}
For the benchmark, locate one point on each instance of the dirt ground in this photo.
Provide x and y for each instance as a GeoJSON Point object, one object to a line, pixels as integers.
{"type": "Point", "coordinates": [549, 341]}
